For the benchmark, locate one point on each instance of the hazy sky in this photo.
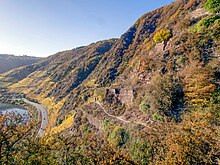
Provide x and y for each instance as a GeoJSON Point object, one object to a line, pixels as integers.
{"type": "Point", "coordinates": [44, 27]}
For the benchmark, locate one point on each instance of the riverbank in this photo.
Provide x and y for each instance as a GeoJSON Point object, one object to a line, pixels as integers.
{"type": "Point", "coordinates": [42, 111]}
{"type": "Point", "coordinates": [13, 99]}
{"type": "Point", "coordinates": [4, 106]}
{"type": "Point", "coordinates": [17, 100]}
{"type": "Point", "coordinates": [15, 110]}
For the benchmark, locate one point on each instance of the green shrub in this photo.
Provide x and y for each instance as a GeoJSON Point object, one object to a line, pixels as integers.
{"type": "Point", "coordinates": [119, 137]}
{"type": "Point", "coordinates": [83, 97]}
{"type": "Point", "coordinates": [206, 23]}
{"type": "Point", "coordinates": [212, 6]}
{"type": "Point", "coordinates": [157, 117]}
{"type": "Point", "coordinates": [139, 150]}
{"type": "Point", "coordinates": [107, 126]}
{"type": "Point", "coordinates": [162, 35]}
{"type": "Point", "coordinates": [144, 105]}
{"type": "Point", "coordinates": [181, 60]}
{"type": "Point", "coordinates": [87, 131]}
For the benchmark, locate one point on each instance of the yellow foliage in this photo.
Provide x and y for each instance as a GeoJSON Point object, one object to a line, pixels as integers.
{"type": "Point", "coordinates": [51, 83]}
{"type": "Point", "coordinates": [65, 124]}
{"type": "Point", "coordinates": [198, 84]}
{"type": "Point", "coordinates": [53, 109]}
{"type": "Point", "coordinates": [149, 46]}
{"type": "Point", "coordinates": [73, 71]}
{"type": "Point", "coordinates": [47, 85]}
{"type": "Point", "coordinates": [25, 86]}
{"type": "Point", "coordinates": [48, 102]}
{"type": "Point", "coordinates": [91, 100]}
{"type": "Point", "coordinates": [162, 35]}
{"type": "Point", "coordinates": [92, 83]}
{"type": "Point", "coordinates": [37, 74]}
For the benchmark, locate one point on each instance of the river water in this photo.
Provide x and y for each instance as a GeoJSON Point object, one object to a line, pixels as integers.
{"type": "Point", "coordinates": [9, 109]}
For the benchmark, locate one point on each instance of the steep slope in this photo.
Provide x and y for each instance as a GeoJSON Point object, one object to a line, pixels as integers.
{"type": "Point", "coordinates": [57, 75]}
{"type": "Point", "coordinates": [8, 62]}
{"type": "Point", "coordinates": [129, 72]}
{"type": "Point", "coordinates": [123, 69]}
{"type": "Point", "coordinates": [134, 89]}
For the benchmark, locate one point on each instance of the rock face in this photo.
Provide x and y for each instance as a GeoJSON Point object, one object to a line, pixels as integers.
{"type": "Point", "coordinates": [126, 96]}
{"type": "Point", "coordinates": [116, 77]}
{"type": "Point", "coordinates": [8, 62]}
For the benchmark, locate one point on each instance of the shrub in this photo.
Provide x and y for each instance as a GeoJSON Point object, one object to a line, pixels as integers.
{"type": "Point", "coordinates": [107, 126]}
{"type": "Point", "coordinates": [144, 105]}
{"type": "Point", "coordinates": [181, 60]}
{"type": "Point", "coordinates": [165, 96]}
{"type": "Point", "coordinates": [194, 141]}
{"type": "Point", "coordinates": [162, 35]}
{"type": "Point", "coordinates": [198, 85]}
{"type": "Point", "coordinates": [206, 23]}
{"type": "Point", "coordinates": [157, 117]}
{"type": "Point", "coordinates": [118, 137]}
{"type": "Point", "coordinates": [139, 150]}
{"type": "Point", "coordinates": [212, 6]}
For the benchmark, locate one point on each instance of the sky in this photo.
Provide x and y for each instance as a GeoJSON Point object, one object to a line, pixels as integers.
{"type": "Point", "coordinates": [43, 27]}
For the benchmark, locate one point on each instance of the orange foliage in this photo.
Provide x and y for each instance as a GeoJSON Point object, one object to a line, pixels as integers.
{"type": "Point", "coordinates": [193, 141]}
{"type": "Point", "coordinates": [198, 84]}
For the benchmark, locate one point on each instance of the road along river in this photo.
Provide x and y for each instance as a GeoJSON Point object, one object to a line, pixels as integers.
{"type": "Point", "coordinates": [42, 111]}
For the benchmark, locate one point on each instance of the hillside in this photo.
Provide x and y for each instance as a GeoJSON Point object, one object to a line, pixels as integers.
{"type": "Point", "coordinates": [8, 62]}
{"type": "Point", "coordinates": [152, 96]}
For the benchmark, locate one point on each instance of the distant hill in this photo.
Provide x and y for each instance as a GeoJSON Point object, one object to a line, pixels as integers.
{"type": "Point", "coordinates": [8, 62]}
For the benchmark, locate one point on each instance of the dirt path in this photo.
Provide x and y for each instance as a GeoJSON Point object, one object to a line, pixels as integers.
{"type": "Point", "coordinates": [123, 120]}
{"type": "Point", "coordinates": [116, 117]}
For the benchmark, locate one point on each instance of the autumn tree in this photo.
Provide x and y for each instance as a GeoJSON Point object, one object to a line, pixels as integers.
{"type": "Point", "coordinates": [198, 84]}
{"type": "Point", "coordinates": [12, 133]}
{"type": "Point", "coordinates": [162, 35]}
{"type": "Point", "coordinates": [193, 141]}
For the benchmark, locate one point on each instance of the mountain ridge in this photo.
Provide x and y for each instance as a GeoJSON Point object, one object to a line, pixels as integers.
{"type": "Point", "coordinates": [9, 61]}
{"type": "Point", "coordinates": [154, 81]}
{"type": "Point", "coordinates": [69, 71]}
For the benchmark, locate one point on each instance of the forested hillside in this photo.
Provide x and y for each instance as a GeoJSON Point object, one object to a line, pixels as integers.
{"type": "Point", "coordinates": [149, 97]}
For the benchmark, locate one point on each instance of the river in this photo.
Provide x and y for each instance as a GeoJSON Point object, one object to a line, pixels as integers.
{"type": "Point", "coordinates": [9, 108]}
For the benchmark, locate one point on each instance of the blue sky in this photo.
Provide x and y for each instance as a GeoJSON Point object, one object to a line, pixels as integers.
{"type": "Point", "coordinates": [44, 27]}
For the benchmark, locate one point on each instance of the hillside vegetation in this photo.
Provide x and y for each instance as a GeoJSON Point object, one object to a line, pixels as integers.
{"type": "Point", "coordinates": [149, 97]}
{"type": "Point", "coordinates": [8, 62]}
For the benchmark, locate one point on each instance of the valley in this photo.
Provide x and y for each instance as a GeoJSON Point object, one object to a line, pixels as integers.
{"type": "Point", "coordinates": [15, 102]}
{"type": "Point", "coordinates": [151, 96]}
